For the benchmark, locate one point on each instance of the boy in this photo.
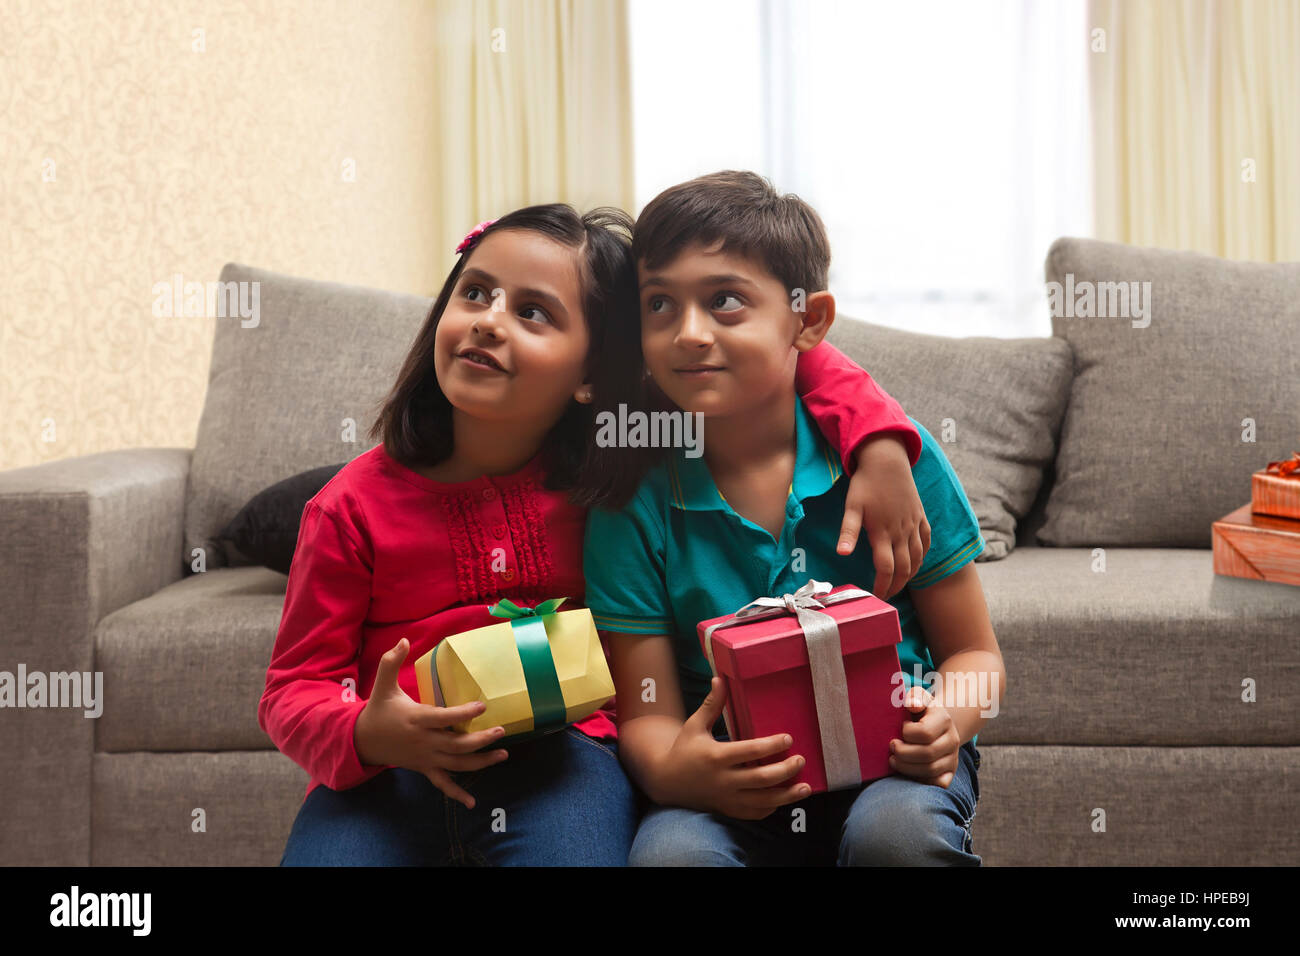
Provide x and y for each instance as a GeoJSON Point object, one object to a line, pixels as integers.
{"type": "Point", "coordinates": [733, 283]}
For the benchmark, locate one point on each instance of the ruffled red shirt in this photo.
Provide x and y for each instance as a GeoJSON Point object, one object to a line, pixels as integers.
{"type": "Point", "coordinates": [385, 553]}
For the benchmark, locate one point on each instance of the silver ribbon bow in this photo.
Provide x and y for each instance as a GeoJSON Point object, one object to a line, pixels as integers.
{"type": "Point", "coordinates": [826, 659]}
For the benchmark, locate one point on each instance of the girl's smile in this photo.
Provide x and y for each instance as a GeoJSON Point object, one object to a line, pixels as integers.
{"type": "Point", "coordinates": [480, 360]}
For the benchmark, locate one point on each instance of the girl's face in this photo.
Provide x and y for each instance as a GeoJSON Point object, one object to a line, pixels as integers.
{"type": "Point", "coordinates": [517, 306]}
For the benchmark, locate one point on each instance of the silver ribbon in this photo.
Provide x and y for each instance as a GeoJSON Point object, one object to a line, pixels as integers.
{"type": "Point", "coordinates": [826, 660]}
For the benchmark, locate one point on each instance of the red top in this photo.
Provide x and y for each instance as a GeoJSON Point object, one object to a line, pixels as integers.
{"type": "Point", "coordinates": [385, 553]}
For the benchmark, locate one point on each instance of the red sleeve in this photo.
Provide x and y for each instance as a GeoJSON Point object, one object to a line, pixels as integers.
{"type": "Point", "coordinates": [848, 405]}
{"type": "Point", "coordinates": [304, 709]}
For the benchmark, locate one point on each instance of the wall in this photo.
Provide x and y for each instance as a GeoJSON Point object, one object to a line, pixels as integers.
{"type": "Point", "coordinates": [143, 139]}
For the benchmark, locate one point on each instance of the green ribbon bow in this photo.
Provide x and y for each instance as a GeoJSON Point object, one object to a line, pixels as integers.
{"type": "Point", "coordinates": [543, 683]}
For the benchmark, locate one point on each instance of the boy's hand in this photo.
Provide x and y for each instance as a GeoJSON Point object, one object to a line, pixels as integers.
{"type": "Point", "coordinates": [393, 730]}
{"type": "Point", "coordinates": [928, 750]}
{"type": "Point", "coordinates": [703, 773]}
{"type": "Point", "coordinates": [883, 495]}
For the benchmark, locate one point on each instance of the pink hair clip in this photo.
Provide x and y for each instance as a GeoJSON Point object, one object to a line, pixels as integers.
{"type": "Point", "coordinates": [472, 239]}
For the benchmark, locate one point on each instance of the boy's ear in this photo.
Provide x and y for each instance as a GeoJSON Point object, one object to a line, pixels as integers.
{"type": "Point", "coordinates": [818, 316]}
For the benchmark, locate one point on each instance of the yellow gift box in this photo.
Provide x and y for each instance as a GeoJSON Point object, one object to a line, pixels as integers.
{"type": "Point", "coordinates": [539, 660]}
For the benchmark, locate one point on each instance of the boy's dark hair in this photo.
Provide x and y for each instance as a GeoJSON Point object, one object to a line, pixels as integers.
{"type": "Point", "coordinates": [415, 422]}
{"type": "Point", "coordinates": [751, 218]}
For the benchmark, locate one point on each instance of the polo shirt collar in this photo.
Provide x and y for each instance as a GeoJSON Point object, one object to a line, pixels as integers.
{"type": "Point", "coordinates": [816, 469]}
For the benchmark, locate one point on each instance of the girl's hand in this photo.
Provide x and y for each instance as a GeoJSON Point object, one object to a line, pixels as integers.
{"type": "Point", "coordinates": [928, 750]}
{"type": "Point", "coordinates": [883, 495]}
{"type": "Point", "coordinates": [393, 730]}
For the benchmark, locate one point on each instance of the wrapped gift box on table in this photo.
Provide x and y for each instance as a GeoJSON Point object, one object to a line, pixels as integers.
{"type": "Point", "coordinates": [820, 665]}
{"type": "Point", "coordinates": [537, 671]}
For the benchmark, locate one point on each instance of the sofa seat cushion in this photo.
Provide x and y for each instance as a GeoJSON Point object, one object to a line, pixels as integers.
{"type": "Point", "coordinates": [144, 803]}
{"type": "Point", "coordinates": [1164, 806]}
{"type": "Point", "coordinates": [184, 668]}
{"type": "Point", "coordinates": [1153, 650]}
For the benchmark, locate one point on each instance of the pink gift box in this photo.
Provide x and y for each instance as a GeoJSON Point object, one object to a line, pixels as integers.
{"type": "Point", "coordinates": [765, 666]}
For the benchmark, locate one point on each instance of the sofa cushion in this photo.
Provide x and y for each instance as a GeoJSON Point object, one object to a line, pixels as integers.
{"type": "Point", "coordinates": [1165, 806]}
{"type": "Point", "coordinates": [265, 531]}
{"type": "Point", "coordinates": [1002, 398]}
{"type": "Point", "coordinates": [297, 390]}
{"type": "Point", "coordinates": [250, 800]}
{"type": "Point", "coordinates": [184, 669]}
{"type": "Point", "coordinates": [1152, 449]}
{"type": "Point", "coordinates": [1151, 651]}
{"type": "Point", "coordinates": [1093, 657]}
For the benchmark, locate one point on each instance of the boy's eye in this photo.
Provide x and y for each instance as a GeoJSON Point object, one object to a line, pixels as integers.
{"type": "Point", "coordinates": [720, 301]}
{"type": "Point", "coordinates": [655, 302]}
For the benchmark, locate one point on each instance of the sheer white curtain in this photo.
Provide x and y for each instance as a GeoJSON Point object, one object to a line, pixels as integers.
{"type": "Point", "coordinates": [944, 143]}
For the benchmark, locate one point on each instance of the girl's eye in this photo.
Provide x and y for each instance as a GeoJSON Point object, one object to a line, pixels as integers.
{"type": "Point", "coordinates": [469, 293]}
{"type": "Point", "coordinates": [722, 298]}
{"type": "Point", "coordinates": [533, 308]}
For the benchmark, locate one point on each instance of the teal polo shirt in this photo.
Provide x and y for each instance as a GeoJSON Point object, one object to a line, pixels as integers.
{"type": "Point", "coordinates": [678, 554]}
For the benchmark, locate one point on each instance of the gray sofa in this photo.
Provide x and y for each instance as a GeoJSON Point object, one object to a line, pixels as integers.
{"type": "Point", "coordinates": [1150, 708]}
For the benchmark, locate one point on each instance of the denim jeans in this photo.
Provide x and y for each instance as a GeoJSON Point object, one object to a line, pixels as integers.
{"type": "Point", "coordinates": [557, 800]}
{"type": "Point", "coordinates": [891, 821]}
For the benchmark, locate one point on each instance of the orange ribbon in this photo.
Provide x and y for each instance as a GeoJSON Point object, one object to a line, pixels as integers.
{"type": "Point", "coordinates": [1287, 467]}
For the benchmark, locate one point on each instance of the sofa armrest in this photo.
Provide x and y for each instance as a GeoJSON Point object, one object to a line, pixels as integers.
{"type": "Point", "coordinates": [82, 537]}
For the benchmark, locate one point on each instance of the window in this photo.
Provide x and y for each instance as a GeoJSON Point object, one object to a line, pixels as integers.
{"type": "Point", "coordinates": [945, 144]}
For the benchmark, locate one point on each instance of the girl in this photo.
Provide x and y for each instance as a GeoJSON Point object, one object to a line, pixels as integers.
{"type": "Point", "coordinates": [477, 493]}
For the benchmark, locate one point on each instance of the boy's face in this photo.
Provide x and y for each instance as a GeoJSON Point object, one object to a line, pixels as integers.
{"type": "Point", "coordinates": [717, 330]}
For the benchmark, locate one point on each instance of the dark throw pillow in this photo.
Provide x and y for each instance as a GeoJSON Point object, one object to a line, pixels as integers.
{"type": "Point", "coordinates": [265, 531]}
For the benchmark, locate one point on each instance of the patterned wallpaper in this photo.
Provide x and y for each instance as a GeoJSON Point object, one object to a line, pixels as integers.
{"type": "Point", "coordinates": [141, 140]}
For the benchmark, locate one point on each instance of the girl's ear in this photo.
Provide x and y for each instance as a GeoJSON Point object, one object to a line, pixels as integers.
{"type": "Point", "coordinates": [583, 394]}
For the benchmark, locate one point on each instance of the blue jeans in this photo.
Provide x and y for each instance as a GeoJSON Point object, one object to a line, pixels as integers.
{"type": "Point", "coordinates": [557, 800]}
{"type": "Point", "coordinates": [891, 821]}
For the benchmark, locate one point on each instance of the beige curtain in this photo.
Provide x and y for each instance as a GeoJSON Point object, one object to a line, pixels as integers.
{"type": "Point", "coordinates": [533, 105]}
{"type": "Point", "coordinates": [1196, 125]}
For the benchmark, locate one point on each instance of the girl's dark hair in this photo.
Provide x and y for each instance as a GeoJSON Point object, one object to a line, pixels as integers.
{"type": "Point", "coordinates": [415, 422]}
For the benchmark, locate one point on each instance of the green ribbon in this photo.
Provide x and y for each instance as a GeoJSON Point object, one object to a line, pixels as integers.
{"type": "Point", "coordinates": [543, 683]}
